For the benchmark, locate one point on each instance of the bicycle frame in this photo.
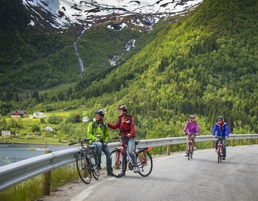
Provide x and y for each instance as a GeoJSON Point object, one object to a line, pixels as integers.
{"type": "Point", "coordinates": [220, 146]}
{"type": "Point", "coordinates": [123, 149]}
{"type": "Point", "coordinates": [121, 158]}
{"type": "Point", "coordinates": [190, 141]}
{"type": "Point", "coordinates": [190, 147]}
{"type": "Point", "coordinates": [219, 149]}
{"type": "Point", "coordinates": [87, 161]}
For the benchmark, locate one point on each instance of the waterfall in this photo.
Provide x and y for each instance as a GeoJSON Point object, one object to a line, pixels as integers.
{"type": "Point", "coordinates": [82, 68]}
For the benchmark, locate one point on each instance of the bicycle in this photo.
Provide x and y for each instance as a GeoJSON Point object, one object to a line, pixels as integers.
{"type": "Point", "coordinates": [190, 147]}
{"type": "Point", "coordinates": [87, 161]}
{"type": "Point", "coordinates": [121, 158]}
{"type": "Point", "coordinates": [219, 149]}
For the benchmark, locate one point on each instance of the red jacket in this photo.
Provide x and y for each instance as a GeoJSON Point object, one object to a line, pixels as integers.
{"type": "Point", "coordinates": [125, 127]}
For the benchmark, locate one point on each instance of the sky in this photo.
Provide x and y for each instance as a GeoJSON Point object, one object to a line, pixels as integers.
{"type": "Point", "coordinates": [76, 10]}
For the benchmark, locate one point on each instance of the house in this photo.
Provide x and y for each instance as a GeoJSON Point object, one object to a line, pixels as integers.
{"type": "Point", "coordinates": [18, 113]}
{"type": "Point", "coordinates": [38, 115]}
{"type": "Point", "coordinates": [85, 119]}
{"type": "Point", "coordinates": [48, 128]}
{"type": "Point", "coordinates": [6, 134]}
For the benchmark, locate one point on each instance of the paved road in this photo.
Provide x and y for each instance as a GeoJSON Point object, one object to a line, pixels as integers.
{"type": "Point", "coordinates": [175, 178]}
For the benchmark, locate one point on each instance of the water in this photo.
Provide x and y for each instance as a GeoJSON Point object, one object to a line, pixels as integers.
{"type": "Point", "coordinates": [10, 153]}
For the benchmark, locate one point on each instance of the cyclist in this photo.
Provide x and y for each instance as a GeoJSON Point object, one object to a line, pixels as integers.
{"type": "Point", "coordinates": [192, 128]}
{"type": "Point", "coordinates": [98, 132]}
{"type": "Point", "coordinates": [126, 126]}
{"type": "Point", "coordinates": [220, 129]}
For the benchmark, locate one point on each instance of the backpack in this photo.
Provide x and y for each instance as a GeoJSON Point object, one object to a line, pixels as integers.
{"type": "Point", "coordinates": [94, 126]}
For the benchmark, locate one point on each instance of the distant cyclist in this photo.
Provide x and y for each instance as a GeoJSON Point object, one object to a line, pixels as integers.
{"type": "Point", "coordinates": [191, 128]}
{"type": "Point", "coordinates": [220, 129]}
{"type": "Point", "coordinates": [126, 126]}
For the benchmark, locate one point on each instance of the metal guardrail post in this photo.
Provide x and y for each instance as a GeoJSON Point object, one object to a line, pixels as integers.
{"type": "Point", "coordinates": [232, 143]}
{"type": "Point", "coordinates": [256, 140]}
{"type": "Point", "coordinates": [249, 141]}
{"type": "Point", "coordinates": [241, 142]}
{"type": "Point", "coordinates": [46, 177]}
{"type": "Point", "coordinates": [168, 148]}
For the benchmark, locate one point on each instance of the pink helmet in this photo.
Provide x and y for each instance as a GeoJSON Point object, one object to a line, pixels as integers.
{"type": "Point", "coordinates": [122, 107]}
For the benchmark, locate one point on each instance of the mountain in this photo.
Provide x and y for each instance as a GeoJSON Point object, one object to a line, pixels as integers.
{"type": "Point", "coordinates": [40, 38]}
{"type": "Point", "coordinates": [61, 14]}
{"type": "Point", "coordinates": [204, 64]}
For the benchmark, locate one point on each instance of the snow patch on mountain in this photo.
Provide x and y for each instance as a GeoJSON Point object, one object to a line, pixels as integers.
{"type": "Point", "coordinates": [66, 12]}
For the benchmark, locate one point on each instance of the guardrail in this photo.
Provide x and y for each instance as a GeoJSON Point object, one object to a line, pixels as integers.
{"type": "Point", "coordinates": [17, 172]}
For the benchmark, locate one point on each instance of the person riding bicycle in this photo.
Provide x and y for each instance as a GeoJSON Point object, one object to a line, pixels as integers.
{"type": "Point", "coordinates": [191, 128]}
{"type": "Point", "coordinates": [126, 126]}
{"type": "Point", "coordinates": [221, 129]}
{"type": "Point", "coordinates": [98, 132]}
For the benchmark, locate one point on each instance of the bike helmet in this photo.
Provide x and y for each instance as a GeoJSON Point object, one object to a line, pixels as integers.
{"type": "Point", "coordinates": [192, 116]}
{"type": "Point", "coordinates": [100, 112]}
{"type": "Point", "coordinates": [220, 117]}
{"type": "Point", "coordinates": [122, 108]}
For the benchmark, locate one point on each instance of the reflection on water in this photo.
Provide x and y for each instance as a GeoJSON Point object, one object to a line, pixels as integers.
{"type": "Point", "coordinates": [10, 153]}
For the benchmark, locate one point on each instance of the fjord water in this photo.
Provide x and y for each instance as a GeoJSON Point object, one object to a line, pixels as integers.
{"type": "Point", "coordinates": [10, 153]}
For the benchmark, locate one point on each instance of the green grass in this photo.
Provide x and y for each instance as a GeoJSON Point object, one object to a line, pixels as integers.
{"type": "Point", "coordinates": [32, 188]}
{"type": "Point", "coordinates": [25, 127]}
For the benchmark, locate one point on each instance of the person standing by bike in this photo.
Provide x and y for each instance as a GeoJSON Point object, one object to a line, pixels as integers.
{"type": "Point", "coordinates": [98, 132]}
{"type": "Point", "coordinates": [221, 129]}
{"type": "Point", "coordinates": [126, 126]}
{"type": "Point", "coordinates": [191, 128]}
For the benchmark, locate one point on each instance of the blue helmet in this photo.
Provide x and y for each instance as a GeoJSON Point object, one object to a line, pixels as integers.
{"type": "Point", "coordinates": [100, 112]}
{"type": "Point", "coordinates": [220, 117]}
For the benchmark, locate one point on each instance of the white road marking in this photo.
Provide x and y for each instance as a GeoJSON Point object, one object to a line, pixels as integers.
{"type": "Point", "coordinates": [86, 193]}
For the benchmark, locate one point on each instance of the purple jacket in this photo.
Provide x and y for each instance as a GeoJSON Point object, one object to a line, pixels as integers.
{"type": "Point", "coordinates": [191, 127]}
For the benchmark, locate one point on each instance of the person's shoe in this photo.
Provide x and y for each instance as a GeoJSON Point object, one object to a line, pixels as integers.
{"type": "Point", "coordinates": [109, 174]}
{"type": "Point", "coordinates": [122, 173]}
{"type": "Point", "coordinates": [223, 158]}
{"type": "Point", "coordinates": [136, 169]}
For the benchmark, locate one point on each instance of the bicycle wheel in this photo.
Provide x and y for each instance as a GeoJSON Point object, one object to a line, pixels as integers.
{"type": "Point", "coordinates": [189, 152]}
{"type": "Point", "coordinates": [219, 155]}
{"type": "Point", "coordinates": [94, 166]}
{"type": "Point", "coordinates": [116, 162]}
{"type": "Point", "coordinates": [83, 168]}
{"type": "Point", "coordinates": [145, 163]}
{"type": "Point", "coordinates": [192, 150]}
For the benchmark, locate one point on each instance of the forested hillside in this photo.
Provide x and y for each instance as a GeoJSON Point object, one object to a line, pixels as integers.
{"type": "Point", "coordinates": [205, 63]}
{"type": "Point", "coordinates": [36, 56]}
{"type": "Point", "coordinates": [39, 63]}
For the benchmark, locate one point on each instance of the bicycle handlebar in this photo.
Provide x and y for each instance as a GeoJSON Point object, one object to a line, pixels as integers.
{"type": "Point", "coordinates": [80, 141]}
{"type": "Point", "coordinates": [72, 143]}
{"type": "Point", "coordinates": [218, 136]}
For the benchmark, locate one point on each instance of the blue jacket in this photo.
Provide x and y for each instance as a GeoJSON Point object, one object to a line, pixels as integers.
{"type": "Point", "coordinates": [220, 131]}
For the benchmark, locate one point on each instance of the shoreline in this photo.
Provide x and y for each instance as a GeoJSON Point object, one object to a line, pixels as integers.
{"type": "Point", "coordinates": [61, 144]}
